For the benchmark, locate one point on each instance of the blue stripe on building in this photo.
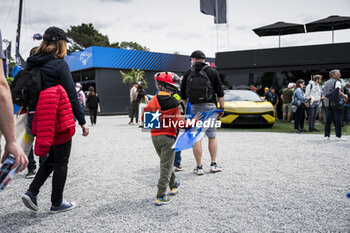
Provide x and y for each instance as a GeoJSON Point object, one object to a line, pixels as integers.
{"type": "Point", "coordinates": [100, 67]}
{"type": "Point", "coordinates": [102, 57]}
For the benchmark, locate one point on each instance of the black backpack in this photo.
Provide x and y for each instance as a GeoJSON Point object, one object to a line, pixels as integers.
{"type": "Point", "coordinates": [26, 87]}
{"type": "Point", "coordinates": [140, 95]}
{"type": "Point", "coordinates": [334, 98]}
{"type": "Point", "coordinates": [198, 87]}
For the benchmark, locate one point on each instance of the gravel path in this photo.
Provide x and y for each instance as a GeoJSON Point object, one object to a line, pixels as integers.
{"type": "Point", "coordinates": [270, 183]}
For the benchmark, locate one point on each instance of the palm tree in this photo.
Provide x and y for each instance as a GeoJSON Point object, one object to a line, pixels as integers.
{"type": "Point", "coordinates": [134, 76]}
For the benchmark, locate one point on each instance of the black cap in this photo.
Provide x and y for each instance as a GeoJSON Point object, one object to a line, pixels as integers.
{"type": "Point", "coordinates": [198, 54]}
{"type": "Point", "coordinates": [55, 34]}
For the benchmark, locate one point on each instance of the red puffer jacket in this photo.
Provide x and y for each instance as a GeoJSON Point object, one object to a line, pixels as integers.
{"type": "Point", "coordinates": [53, 122]}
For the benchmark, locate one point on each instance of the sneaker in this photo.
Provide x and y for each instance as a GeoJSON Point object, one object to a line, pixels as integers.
{"type": "Point", "coordinates": [175, 189]}
{"type": "Point", "coordinates": [65, 206]}
{"type": "Point", "coordinates": [303, 130]}
{"type": "Point", "coordinates": [340, 139]}
{"type": "Point", "coordinates": [327, 138]}
{"type": "Point", "coordinates": [178, 169]}
{"type": "Point", "coordinates": [298, 131]}
{"type": "Point", "coordinates": [198, 170]}
{"type": "Point", "coordinates": [30, 201]}
{"type": "Point", "coordinates": [316, 130]}
{"type": "Point", "coordinates": [215, 168]}
{"type": "Point", "coordinates": [31, 174]}
{"type": "Point", "coordinates": [162, 200]}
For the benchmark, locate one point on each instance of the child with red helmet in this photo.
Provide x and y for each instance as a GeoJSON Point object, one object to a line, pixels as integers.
{"type": "Point", "coordinates": [163, 138]}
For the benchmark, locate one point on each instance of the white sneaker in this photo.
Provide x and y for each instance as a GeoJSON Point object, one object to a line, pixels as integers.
{"type": "Point", "coordinates": [215, 168]}
{"type": "Point", "coordinates": [340, 139]}
{"type": "Point", "coordinates": [198, 171]}
{"type": "Point", "coordinates": [327, 138]}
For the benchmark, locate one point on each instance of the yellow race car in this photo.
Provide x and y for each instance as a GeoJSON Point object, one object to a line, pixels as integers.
{"type": "Point", "coordinates": [244, 107]}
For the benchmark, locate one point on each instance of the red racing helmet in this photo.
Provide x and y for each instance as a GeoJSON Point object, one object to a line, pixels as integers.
{"type": "Point", "coordinates": [167, 80]}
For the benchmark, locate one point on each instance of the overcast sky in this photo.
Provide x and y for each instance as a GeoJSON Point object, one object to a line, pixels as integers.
{"type": "Point", "coordinates": [173, 26]}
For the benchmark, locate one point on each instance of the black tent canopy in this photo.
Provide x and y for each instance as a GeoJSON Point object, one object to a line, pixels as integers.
{"type": "Point", "coordinates": [330, 23]}
{"type": "Point", "coordinates": [279, 29]}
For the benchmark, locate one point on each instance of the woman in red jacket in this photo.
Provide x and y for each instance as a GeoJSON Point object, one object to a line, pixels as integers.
{"type": "Point", "coordinates": [49, 56]}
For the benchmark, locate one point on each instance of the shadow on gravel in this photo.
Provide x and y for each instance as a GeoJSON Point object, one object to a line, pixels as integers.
{"type": "Point", "coordinates": [149, 177]}
{"type": "Point", "coordinates": [344, 144]}
{"type": "Point", "coordinates": [189, 175]}
{"type": "Point", "coordinates": [23, 218]}
{"type": "Point", "coordinates": [130, 209]}
{"type": "Point", "coordinates": [318, 140]}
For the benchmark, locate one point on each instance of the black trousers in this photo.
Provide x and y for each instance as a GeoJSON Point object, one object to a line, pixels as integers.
{"type": "Point", "coordinates": [336, 115]}
{"type": "Point", "coordinates": [57, 162]}
{"type": "Point", "coordinates": [93, 115]}
{"type": "Point", "coordinates": [134, 111]}
{"type": "Point", "coordinates": [299, 117]}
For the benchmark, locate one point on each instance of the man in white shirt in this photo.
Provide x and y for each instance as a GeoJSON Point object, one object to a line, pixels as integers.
{"type": "Point", "coordinates": [313, 89]}
{"type": "Point", "coordinates": [133, 104]}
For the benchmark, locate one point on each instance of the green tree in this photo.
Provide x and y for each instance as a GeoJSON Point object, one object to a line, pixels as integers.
{"type": "Point", "coordinates": [134, 76]}
{"type": "Point", "coordinates": [115, 45]}
{"type": "Point", "coordinates": [85, 35]}
{"type": "Point", "coordinates": [132, 45]}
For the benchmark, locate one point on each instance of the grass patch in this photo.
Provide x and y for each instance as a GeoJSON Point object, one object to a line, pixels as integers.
{"type": "Point", "coordinates": [280, 127]}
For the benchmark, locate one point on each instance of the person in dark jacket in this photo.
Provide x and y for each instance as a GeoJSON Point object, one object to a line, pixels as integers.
{"type": "Point", "coordinates": [49, 57]}
{"type": "Point", "coordinates": [141, 95]}
{"type": "Point", "coordinates": [92, 103]}
{"type": "Point", "coordinates": [300, 100]}
{"type": "Point", "coordinates": [32, 163]}
{"type": "Point", "coordinates": [198, 64]}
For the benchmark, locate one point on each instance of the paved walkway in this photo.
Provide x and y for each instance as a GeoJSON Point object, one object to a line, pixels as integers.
{"type": "Point", "coordinates": [271, 182]}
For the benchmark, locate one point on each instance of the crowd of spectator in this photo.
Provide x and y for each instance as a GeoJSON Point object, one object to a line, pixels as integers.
{"type": "Point", "coordinates": [300, 102]}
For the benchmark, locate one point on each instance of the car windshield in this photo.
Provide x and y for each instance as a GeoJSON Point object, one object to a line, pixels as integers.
{"type": "Point", "coordinates": [237, 95]}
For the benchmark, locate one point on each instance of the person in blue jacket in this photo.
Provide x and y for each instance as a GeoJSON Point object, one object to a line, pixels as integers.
{"type": "Point", "coordinates": [299, 99]}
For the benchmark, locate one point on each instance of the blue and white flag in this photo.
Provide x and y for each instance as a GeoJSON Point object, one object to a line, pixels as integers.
{"type": "Point", "coordinates": [190, 136]}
